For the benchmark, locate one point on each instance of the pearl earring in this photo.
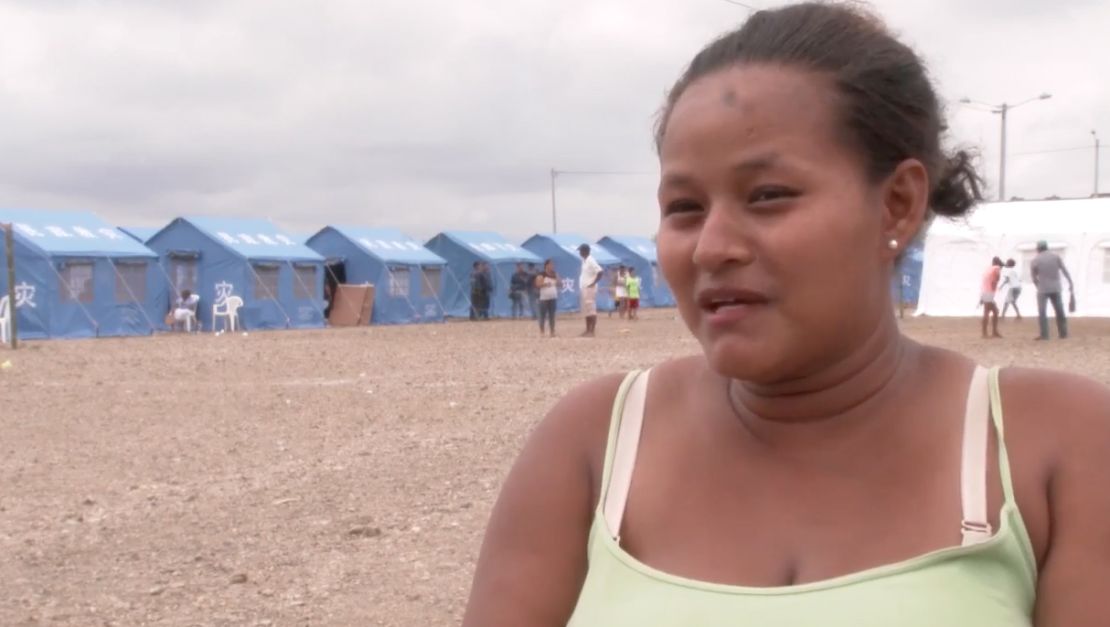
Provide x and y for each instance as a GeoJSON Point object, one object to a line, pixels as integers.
{"type": "Point", "coordinates": [893, 244]}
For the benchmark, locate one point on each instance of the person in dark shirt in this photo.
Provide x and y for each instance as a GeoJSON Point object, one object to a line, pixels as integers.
{"type": "Point", "coordinates": [1047, 267]}
{"type": "Point", "coordinates": [533, 290]}
{"type": "Point", "coordinates": [518, 288]}
{"type": "Point", "coordinates": [477, 292]}
{"type": "Point", "coordinates": [485, 290]}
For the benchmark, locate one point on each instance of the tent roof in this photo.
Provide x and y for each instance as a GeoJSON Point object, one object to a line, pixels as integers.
{"type": "Point", "coordinates": [1039, 218]}
{"type": "Point", "coordinates": [389, 245]}
{"type": "Point", "coordinates": [491, 246]}
{"type": "Point", "coordinates": [72, 233]}
{"type": "Point", "coordinates": [571, 241]}
{"type": "Point", "coordinates": [141, 233]}
{"type": "Point", "coordinates": [642, 246]}
{"type": "Point", "coordinates": [254, 238]}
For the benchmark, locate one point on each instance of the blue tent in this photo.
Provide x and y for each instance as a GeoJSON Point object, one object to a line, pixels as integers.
{"type": "Point", "coordinates": [140, 233]}
{"type": "Point", "coordinates": [906, 283]}
{"type": "Point", "coordinates": [460, 249]}
{"type": "Point", "coordinates": [407, 276]}
{"type": "Point", "coordinates": [280, 281]}
{"type": "Point", "coordinates": [77, 276]}
{"type": "Point", "coordinates": [562, 248]}
{"type": "Point", "coordinates": [639, 252]}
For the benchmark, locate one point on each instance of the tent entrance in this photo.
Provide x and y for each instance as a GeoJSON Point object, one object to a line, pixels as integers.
{"type": "Point", "coordinates": [183, 274]}
{"type": "Point", "coordinates": [335, 274]}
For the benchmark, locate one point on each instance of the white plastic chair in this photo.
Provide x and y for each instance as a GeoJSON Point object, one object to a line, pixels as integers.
{"type": "Point", "coordinates": [190, 322]}
{"type": "Point", "coordinates": [5, 321]}
{"type": "Point", "coordinates": [228, 310]}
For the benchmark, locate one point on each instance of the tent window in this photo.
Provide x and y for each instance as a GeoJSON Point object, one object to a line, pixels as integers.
{"type": "Point", "coordinates": [1027, 257]}
{"type": "Point", "coordinates": [77, 283]}
{"type": "Point", "coordinates": [433, 279]}
{"type": "Point", "coordinates": [1106, 265]}
{"type": "Point", "coordinates": [304, 282]}
{"type": "Point", "coordinates": [183, 273]}
{"type": "Point", "coordinates": [655, 280]}
{"type": "Point", "coordinates": [266, 281]}
{"type": "Point", "coordinates": [399, 282]}
{"type": "Point", "coordinates": [130, 282]}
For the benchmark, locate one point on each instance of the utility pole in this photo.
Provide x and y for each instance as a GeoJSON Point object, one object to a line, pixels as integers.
{"type": "Point", "coordinates": [556, 173]}
{"type": "Point", "coordinates": [554, 219]}
{"type": "Point", "coordinates": [1003, 110]}
{"type": "Point", "coordinates": [1095, 134]}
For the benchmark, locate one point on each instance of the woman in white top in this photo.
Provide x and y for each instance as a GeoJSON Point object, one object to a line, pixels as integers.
{"type": "Point", "coordinates": [548, 284]}
{"type": "Point", "coordinates": [1011, 282]}
{"type": "Point", "coordinates": [621, 292]}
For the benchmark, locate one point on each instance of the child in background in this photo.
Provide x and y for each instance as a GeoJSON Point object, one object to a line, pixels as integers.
{"type": "Point", "coordinates": [620, 292]}
{"type": "Point", "coordinates": [632, 290]}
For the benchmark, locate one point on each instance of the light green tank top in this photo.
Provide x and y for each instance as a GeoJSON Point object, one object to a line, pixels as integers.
{"type": "Point", "coordinates": [989, 581]}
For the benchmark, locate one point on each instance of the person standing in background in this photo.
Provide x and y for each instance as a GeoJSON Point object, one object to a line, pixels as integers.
{"type": "Point", "coordinates": [1046, 269]}
{"type": "Point", "coordinates": [986, 297]}
{"type": "Point", "coordinates": [632, 288]}
{"type": "Point", "coordinates": [1011, 288]}
{"type": "Point", "coordinates": [518, 287]}
{"type": "Point", "coordinates": [620, 291]}
{"type": "Point", "coordinates": [547, 286]}
{"type": "Point", "coordinates": [487, 291]}
{"type": "Point", "coordinates": [587, 286]}
{"type": "Point", "coordinates": [475, 290]}
{"type": "Point", "coordinates": [480, 288]}
{"type": "Point", "coordinates": [533, 291]}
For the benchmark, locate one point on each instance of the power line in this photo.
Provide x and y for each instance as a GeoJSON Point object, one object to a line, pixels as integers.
{"type": "Point", "coordinates": [1043, 152]}
{"type": "Point", "coordinates": [741, 4]}
{"type": "Point", "coordinates": [604, 172]}
{"type": "Point", "coordinates": [556, 173]}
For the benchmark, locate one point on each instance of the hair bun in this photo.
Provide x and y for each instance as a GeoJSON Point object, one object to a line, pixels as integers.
{"type": "Point", "coordinates": [959, 187]}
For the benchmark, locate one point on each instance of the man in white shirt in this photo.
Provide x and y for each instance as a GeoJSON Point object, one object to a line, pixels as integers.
{"type": "Point", "coordinates": [587, 286]}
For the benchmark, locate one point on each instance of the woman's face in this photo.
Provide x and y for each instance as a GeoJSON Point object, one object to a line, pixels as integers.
{"type": "Point", "coordinates": [771, 235]}
{"type": "Point", "coordinates": [548, 267]}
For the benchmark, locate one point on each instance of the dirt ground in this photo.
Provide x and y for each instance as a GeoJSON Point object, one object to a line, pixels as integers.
{"type": "Point", "coordinates": [333, 477]}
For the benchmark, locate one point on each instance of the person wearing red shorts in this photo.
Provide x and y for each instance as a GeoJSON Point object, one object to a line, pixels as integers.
{"type": "Point", "coordinates": [632, 289]}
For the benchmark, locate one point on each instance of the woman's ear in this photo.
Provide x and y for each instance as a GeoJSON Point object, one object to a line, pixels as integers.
{"type": "Point", "coordinates": [905, 204]}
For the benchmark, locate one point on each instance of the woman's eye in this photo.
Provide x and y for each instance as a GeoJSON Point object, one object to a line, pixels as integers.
{"type": "Point", "coordinates": [682, 206]}
{"type": "Point", "coordinates": [770, 194]}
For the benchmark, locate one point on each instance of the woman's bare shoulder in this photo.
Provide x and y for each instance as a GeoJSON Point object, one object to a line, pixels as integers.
{"type": "Point", "coordinates": [1067, 404]}
{"type": "Point", "coordinates": [1067, 417]}
{"type": "Point", "coordinates": [583, 416]}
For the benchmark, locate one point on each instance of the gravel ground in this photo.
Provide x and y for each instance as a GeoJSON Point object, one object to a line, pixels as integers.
{"type": "Point", "coordinates": [336, 477]}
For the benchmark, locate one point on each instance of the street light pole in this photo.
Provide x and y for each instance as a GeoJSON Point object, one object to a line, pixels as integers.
{"type": "Point", "coordinates": [1002, 162]}
{"type": "Point", "coordinates": [1095, 134]}
{"type": "Point", "coordinates": [556, 173]}
{"type": "Point", "coordinates": [554, 222]}
{"type": "Point", "coordinates": [1003, 110]}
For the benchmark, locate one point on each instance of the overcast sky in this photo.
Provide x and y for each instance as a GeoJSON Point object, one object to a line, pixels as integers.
{"type": "Point", "coordinates": [429, 115]}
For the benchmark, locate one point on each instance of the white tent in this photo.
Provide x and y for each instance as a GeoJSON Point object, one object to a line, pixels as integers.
{"type": "Point", "coordinates": [958, 253]}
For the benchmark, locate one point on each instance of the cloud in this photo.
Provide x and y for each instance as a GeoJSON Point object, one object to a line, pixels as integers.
{"type": "Point", "coordinates": [431, 115]}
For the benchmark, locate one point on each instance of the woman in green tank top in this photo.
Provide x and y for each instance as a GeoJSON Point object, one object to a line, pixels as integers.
{"type": "Point", "coordinates": [812, 466]}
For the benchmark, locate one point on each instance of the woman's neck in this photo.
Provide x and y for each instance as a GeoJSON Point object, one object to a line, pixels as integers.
{"type": "Point", "coordinates": [837, 394]}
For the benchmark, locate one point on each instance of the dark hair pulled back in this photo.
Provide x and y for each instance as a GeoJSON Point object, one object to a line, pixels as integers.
{"type": "Point", "coordinates": [889, 105]}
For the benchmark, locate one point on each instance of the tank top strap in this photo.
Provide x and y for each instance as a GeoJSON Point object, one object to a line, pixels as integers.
{"type": "Point", "coordinates": [984, 408]}
{"type": "Point", "coordinates": [975, 525]}
{"type": "Point", "coordinates": [1003, 456]}
{"type": "Point", "coordinates": [620, 454]}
